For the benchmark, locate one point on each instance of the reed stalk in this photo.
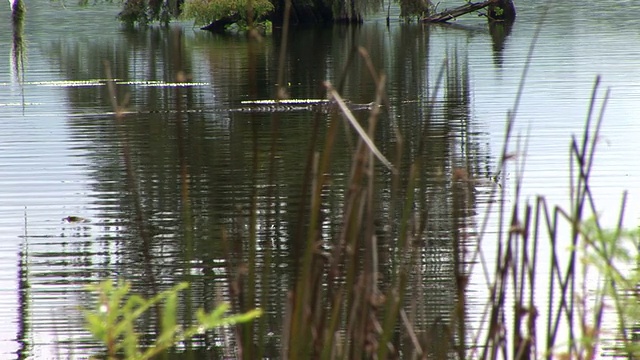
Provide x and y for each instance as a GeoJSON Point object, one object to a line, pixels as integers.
{"type": "Point", "coordinates": [351, 296]}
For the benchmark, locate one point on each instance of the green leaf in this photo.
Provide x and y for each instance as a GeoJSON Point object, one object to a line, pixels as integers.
{"type": "Point", "coordinates": [113, 319]}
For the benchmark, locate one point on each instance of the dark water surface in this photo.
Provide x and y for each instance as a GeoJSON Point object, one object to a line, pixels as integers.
{"type": "Point", "coordinates": [186, 167]}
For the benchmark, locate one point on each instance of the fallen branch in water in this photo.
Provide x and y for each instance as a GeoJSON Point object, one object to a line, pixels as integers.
{"type": "Point", "coordinates": [459, 11]}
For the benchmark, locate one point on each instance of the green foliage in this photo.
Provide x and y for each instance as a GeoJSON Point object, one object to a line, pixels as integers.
{"type": "Point", "coordinates": [112, 321]}
{"type": "Point", "coordinates": [134, 12]}
{"type": "Point", "coordinates": [266, 26]}
{"type": "Point", "coordinates": [607, 250]}
{"type": "Point", "coordinates": [204, 12]}
{"type": "Point", "coordinates": [615, 256]}
{"type": "Point", "coordinates": [143, 12]}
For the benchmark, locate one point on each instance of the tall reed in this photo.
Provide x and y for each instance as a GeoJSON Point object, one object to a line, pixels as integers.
{"type": "Point", "coordinates": [341, 307]}
{"type": "Point", "coordinates": [351, 297]}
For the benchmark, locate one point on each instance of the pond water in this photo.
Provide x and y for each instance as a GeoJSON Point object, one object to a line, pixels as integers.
{"type": "Point", "coordinates": [159, 188]}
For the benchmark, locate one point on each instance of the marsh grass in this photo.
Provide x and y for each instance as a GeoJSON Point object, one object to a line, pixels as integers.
{"type": "Point", "coordinates": [346, 304]}
{"type": "Point", "coordinates": [352, 298]}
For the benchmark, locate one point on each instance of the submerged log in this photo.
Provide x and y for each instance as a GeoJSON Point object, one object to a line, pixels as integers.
{"type": "Point", "coordinates": [502, 10]}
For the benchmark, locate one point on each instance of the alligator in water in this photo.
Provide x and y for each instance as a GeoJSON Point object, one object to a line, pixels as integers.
{"type": "Point", "coordinates": [262, 106]}
{"type": "Point", "coordinates": [291, 105]}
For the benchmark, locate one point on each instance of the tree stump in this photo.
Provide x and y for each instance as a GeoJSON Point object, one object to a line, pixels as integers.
{"type": "Point", "coordinates": [501, 10]}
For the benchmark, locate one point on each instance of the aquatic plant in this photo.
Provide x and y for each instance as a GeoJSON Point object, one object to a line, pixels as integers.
{"type": "Point", "coordinates": [113, 320]}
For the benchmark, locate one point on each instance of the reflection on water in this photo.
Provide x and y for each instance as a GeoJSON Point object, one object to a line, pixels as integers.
{"type": "Point", "coordinates": [166, 185]}
{"type": "Point", "coordinates": [17, 56]}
